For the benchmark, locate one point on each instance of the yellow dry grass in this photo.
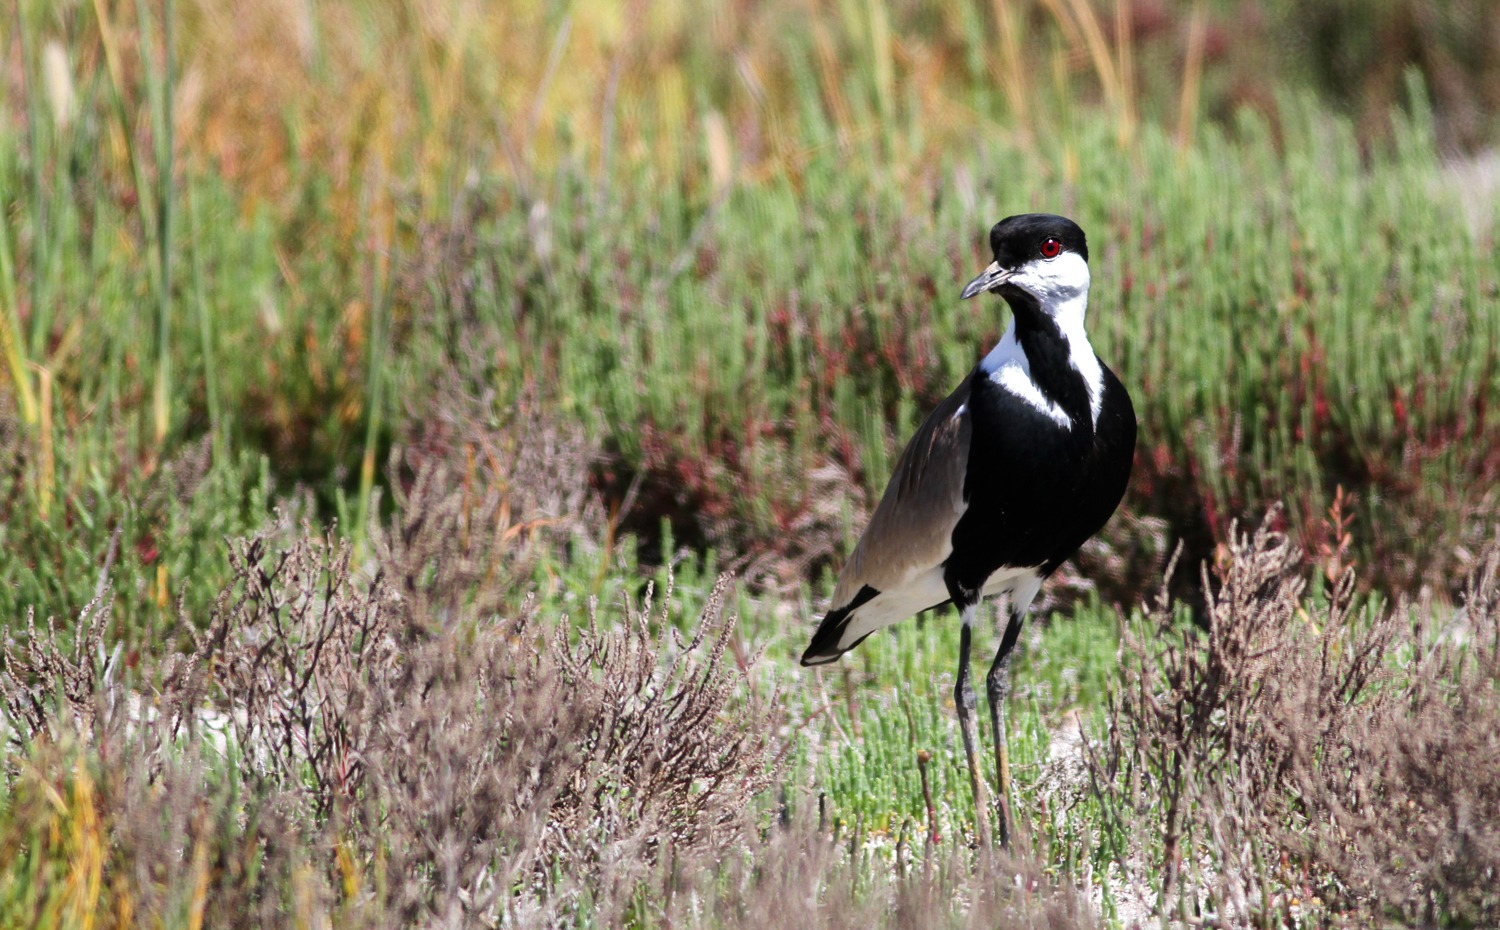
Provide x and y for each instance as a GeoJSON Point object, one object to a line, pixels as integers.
{"type": "Point", "coordinates": [417, 93]}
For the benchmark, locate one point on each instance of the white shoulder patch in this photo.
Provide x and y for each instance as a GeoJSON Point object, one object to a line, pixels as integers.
{"type": "Point", "coordinates": [1018, 382]}
{"type": "Point", "coordinates": [1008, 367]}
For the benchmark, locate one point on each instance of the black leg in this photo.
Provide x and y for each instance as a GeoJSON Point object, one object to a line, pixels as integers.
{"type": "Point", "coordinates": [963, 698]}
{"type": "Point", "coordinates": [997, 688]}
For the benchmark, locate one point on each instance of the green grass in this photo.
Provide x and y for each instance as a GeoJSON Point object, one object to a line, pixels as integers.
{"type": "Point", "coordinates": [1293, 307]}
{"type": "Point", "coordinates": [860, 724]}
{"type": "Point", "coordinates": [1320, 321]}
{"type": "Point", "coordinates": [884, 701]}
{"type": "Point", "coordinates": [895, 698]}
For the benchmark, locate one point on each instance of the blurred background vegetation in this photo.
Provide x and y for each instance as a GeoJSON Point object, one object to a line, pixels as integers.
{"type": "Point", "coordinates": [248, 248]}
{"type": "Point", "coordinates": [547, 297]}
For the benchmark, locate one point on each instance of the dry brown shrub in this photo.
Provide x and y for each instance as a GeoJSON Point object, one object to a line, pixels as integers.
{"type": "Point", "coordinates": [451, 743]}
{"type": "Point", "coordinates": [468, 748]}
{"type": "Point", "coordinates": [798, 877]}
{"type": "Point", "coordinates": [1396, 779]}
{"type": "Point", "coordinates": [181, 847]}
{"type": "Point", "coordinates": [1312, 747]}
{"type": "Point", "coordinates": [479, 495]}
{"type": "Point", "coordinates": [490, 757]}
{"type": "Point", "coordinates": [517, 750]}
{"type": "Point", "coordinates": [464, 748]}
{"type": "Point", "coordinates": [63, 686]}
{"type": "Point", "coordinates": [292, 654]}
{"type": "Point", "coordinates": [183, 839]}
{"type": "Point", "coordinates": [125, 814]}
{"type": "Point", "coordinates": [659, 726]}
{"type": "Point", "coordinates": [47, 689]}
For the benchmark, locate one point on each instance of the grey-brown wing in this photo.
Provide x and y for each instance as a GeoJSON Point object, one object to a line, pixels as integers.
{"type": "Point", "coordinates": [911, 531]}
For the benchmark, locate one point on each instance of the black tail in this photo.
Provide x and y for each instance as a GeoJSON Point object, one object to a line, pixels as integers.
{"type": "Point", "coordinates": [824, 647]}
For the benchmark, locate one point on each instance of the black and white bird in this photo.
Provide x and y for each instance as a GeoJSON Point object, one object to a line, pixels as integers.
{"type": "Point", "coordinates": [1002, 482]}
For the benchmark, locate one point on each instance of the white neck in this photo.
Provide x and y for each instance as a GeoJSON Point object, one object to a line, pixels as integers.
{"type": "Point", "coordinates": [1009, 367]}
{"type": "Point", "coordinates": [1069, 318]}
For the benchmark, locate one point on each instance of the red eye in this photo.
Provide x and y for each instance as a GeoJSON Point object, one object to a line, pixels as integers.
{"type": "Point", "coordinates": [1051, 248]}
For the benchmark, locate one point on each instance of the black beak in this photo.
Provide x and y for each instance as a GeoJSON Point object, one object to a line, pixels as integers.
{"type": "Point", "coordinates": [989, 279]}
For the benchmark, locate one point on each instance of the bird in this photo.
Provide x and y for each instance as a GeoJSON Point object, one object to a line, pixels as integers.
{"type": "Point", "coordinates": [1004, 480]}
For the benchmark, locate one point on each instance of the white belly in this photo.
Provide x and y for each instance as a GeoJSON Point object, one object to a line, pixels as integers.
{"type": "Point", "coordinates": [924, 591]}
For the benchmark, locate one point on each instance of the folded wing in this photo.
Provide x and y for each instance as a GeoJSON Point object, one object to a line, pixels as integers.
{"type": "Point", "coordinates": [896, 569]}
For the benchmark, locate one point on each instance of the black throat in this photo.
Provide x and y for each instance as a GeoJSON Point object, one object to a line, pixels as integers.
{"type": "Point", "coordinates": [1050, 357]}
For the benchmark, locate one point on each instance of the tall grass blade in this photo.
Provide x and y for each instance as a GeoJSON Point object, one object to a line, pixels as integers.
{"type": "Point", "coordinates": [160, 91]}
{"type": "Point", "coordinates": [1192, 76]}
{"type": "Point", "coordinates": [11, 343]}
{"type": "Point", "coordinates": [375, 385]}
{"type": "Point", "coordinates": [41, 304]}
{"type": "Point", "coordinates": [1011, 69]}
{"type": "Point", "coordinates": [46, 474]}
{"type": "Point", "coordinates": [217, 428]}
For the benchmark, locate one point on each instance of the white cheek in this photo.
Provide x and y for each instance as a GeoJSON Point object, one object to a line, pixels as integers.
{"type": "Point", "coordinates": [1062, 277]}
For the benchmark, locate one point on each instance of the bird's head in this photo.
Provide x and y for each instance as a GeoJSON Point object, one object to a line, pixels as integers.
{"type": "Point", "coordinates": [1037, 255]}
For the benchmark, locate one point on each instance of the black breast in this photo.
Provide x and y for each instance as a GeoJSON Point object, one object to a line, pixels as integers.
{"type": "Point", "coordinates": [1036, 490]}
